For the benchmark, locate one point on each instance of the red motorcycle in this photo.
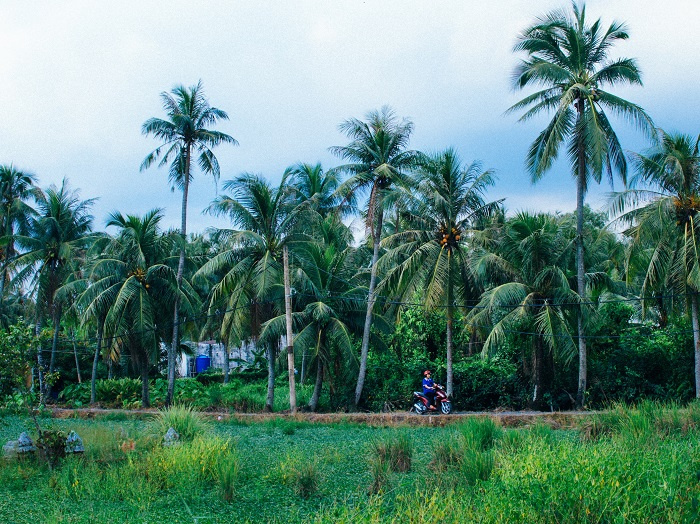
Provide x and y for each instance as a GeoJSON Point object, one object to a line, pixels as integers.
{"type": "Point", "coordinates": [442, 403]}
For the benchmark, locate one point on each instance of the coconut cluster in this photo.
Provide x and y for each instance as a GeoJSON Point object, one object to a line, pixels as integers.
{"type": "Point", "coordinates": [449, 236]}
{"type": "Point", "coordinates": [686, 208]}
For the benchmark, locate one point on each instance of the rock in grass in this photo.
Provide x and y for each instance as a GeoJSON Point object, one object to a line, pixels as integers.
{"type": "Point", "coordinates": [13, 448]}
{"type": "Point", "coordinates": [171, 438]}
{"type": "Point", "coordinates": [25, 444]}
{"type": "Point", "coordinates": [10, 450]}
{"type": "Point", "coordinates": [74, 444]}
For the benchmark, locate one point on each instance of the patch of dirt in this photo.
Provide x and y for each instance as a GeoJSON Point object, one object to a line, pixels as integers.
{"type": "Point", "coordinates": [557, 420]}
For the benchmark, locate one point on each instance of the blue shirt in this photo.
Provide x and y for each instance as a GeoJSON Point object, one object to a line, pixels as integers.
{"type": "Point", "coordinates": [428, 385]}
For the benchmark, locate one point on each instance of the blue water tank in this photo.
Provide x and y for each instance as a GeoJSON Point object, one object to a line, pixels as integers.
{"type": "Point", "coordinates": [202, 363]}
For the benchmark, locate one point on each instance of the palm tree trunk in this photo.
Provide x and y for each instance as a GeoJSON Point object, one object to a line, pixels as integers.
{"type": "Point", "coordinates": [174, 347]}
{"type": "Point", "coordinates": [302, 375]}
{"type": "Point", "coordinates": [313, 403]}
{"type": "Point", "coordinates": [6, 253]}
{"type": "Point", "coordinates": [54, 343]}
{"type": "Point", "coordinates": [95, 360]}
{"type": "Point", "coordinates": [696, 340]}
{"type": "Point", "coordinates": [580, 268]}
{"type": "Point", "coordinates": [376, 237]}
{"type": "Point", "coordinates": [40, 360]}
{"type": "Point", "coordinates": [270, 402]}
{"type": "Point", "coordinates": [75, 354]}
{"type": "Point", "coordinates": [3, 275]}
{"type": "Point", "coordinates": [290, 335]}
{"type": "Point", "coordinates": [450, 318]}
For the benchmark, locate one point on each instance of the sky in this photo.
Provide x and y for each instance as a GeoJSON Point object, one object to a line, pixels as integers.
{"type": "Point", "coordinates": [79, 78]}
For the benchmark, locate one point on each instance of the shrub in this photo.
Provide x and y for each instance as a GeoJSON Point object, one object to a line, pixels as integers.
{"type": "Point", "coordinates": [118, 391]}
{"type": "Point", "coordinates": [644, 362]}
{"type": "Point", "coordinates": [76, 395]}
{"type": "Point", "coordinates": [51, 443]}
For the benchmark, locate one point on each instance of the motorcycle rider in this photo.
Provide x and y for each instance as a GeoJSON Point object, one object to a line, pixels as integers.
{"type": "Point", "coordinates": [429, 389]}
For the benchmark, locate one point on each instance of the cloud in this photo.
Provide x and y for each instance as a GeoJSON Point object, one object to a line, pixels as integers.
{"type": "Point", "coordinates": [79, 79]}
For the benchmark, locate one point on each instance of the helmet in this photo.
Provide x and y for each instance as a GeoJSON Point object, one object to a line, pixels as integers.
{"type": "Point", "coordinates": [426, 372]}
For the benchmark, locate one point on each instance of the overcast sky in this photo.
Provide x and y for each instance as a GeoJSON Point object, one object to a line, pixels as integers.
{"type": "Point", "coordinates": [79, 78]}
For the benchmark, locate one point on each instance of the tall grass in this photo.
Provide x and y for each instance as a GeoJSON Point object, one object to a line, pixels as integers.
{"type": "Point", "coordinates": [184, 419]}
{"type": "Point", "coordinates": [301, 473]}
{"type": "Point", "coordinates": [569, 479]}
{"type": "Point", "coordinates": [396, 451]}
{"type": "Point", "coordinates": [481, 433]}
{"type": "Point", "coordinates": [643, 423]}
{"type": "Point", "coordinates": [468, 451]}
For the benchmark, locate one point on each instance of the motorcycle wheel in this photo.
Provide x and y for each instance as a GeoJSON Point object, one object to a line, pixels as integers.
{"type": "Point", "coordinates": [419, 408]}
{"type": "Point", "coordinates": [446, 407]}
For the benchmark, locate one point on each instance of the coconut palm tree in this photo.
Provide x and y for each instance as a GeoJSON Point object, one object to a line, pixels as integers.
{"type": "Point", "coordinates": [250, 270]}
{"type": "Point", "coordinates": [377, 160]}
{"type": "Point", "coordinates": [663, 220]}
{"type": "Point", "coordinates": [16, 188]}
{"type": "Point", "coordinates": [53, 251]}
{"type": "Point", "coordinates": [131, 283]}
{"type": "Point", "coordinates": [431, 255]}
{"type": "Point", "coordinates": [184, 135]}
{"type": "Point", "coordinates": [569, 59]}
{"type": "Point", "coordinates": [527, 291]}
{"type": "Point", "coordinates": [317, 189]}
{"type": "Point", "coordinates": [328, 313]}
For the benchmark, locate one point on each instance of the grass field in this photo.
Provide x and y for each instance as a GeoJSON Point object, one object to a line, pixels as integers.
{"type": "Point", "coordinates": [627, 465]}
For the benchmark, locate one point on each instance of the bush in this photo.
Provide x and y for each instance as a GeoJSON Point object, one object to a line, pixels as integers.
{"type": "Point", "coordinates": [51, 443]}
{"type": "Point", "coordinates": [485, 384]}
{"type": "Point", "coordinates": [644, 362]}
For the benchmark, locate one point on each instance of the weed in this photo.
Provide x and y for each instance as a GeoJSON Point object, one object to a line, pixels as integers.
{"type": "Point", "coordinates": [51, 443]}
{"type": "Point", "coordinates": [542, 432]}
{"type": "Point", "coordinates": [306, 479]}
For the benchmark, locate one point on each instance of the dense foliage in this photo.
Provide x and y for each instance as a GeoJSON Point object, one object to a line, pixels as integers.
{"type": "Point", "coordinates": [529, 310]}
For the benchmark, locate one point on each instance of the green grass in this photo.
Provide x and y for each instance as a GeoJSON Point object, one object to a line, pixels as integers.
{"type": "Point", "coordinates": [639, 465]}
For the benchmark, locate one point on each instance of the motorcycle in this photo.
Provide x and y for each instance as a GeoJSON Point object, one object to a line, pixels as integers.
{"type": "Point", "coordinates": [442, 403]}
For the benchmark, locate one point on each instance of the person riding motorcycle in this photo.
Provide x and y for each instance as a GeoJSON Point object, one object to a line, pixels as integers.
{"type": "Point", "coordinates": [429, 389]}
